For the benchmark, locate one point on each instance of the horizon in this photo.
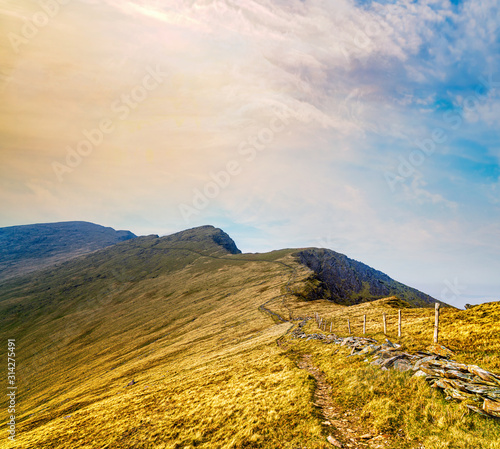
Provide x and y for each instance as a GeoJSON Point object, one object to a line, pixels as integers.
{"type": "Point", "coordinates": [367, 128]}
{"type": "Point", "coordinates": [474, 300]}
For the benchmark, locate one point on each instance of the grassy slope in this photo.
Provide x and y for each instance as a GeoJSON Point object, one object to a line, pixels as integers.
{"type": "Point", "coordinates": [394, 403]}
{"type": "Point", "coordinates": [209, 373]}
{"type": "Point", "coordinates": [473, 334]}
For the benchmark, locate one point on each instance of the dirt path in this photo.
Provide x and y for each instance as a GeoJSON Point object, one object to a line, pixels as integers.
{"type": "Point", "coordinates": [346, 429]}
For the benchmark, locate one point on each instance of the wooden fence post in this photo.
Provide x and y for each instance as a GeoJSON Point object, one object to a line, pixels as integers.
{"type": "Point", "coordinates": [436, 324]}
{"type": "Point", "coordinates": [385, 324]}
{"type": "Point", "coordinates": [349, 325]}
{"type": "Point", "coordinates": [399, 323]}
{"type": "Point", "coordinates": [364, 324]}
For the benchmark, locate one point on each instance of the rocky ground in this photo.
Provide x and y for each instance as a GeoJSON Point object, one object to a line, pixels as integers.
{"type": "Point", "coordinates": [345, 427]}
{"type": "Point", "coordinates": [476, 387]}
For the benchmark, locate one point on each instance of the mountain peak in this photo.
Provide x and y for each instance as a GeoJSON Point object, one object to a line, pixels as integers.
{"type": "Point", "coordinates": [207, 234]}
{"type": "Point", "coordinates": [27, 248]}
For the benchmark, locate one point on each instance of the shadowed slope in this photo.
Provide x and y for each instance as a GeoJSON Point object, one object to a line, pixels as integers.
{"type": "Point", "coordinates": [24, 249]}
{"type": "Point", "coordinates": [347, 281]}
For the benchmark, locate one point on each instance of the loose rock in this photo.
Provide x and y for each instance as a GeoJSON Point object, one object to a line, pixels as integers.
{"type": "Point", "coordinates": [458, 381]}
{"type": "Point", "coordinates": [333, 441]}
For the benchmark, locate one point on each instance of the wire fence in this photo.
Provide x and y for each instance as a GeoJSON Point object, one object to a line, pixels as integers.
{"type": "Point", "coordinates": [380, 321]}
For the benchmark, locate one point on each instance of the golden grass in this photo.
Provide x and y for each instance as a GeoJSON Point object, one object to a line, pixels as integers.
{"type": "Point", "coordinates": [209, 373]}
{"type": "Point", "coordinates": [247, 398]}
{"type": "Point", "coordinates": [394, 403]}
{"type": "Point", "coordinates": [473, 334]}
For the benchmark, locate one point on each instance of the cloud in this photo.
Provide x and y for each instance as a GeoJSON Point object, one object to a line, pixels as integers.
{"type": "Point", "coordinates": [415, 191]}
{"type": "Point", "coordinates": [361, 84]}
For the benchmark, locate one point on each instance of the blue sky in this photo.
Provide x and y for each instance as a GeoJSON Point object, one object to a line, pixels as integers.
{"type": "Point", "coordinates": [367, 127]}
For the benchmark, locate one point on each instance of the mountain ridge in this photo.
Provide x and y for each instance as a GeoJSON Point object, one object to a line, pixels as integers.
{"type": "Point", "coordinates": [28, 248]}
{"type": "Point", "coordinates": [334, 276]}
{"type": "Point", "coordinates": [166, 328]}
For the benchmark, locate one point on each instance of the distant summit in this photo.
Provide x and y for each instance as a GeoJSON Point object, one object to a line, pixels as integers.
{"type": "Point", "coordinates": [24, 249]}
{"type": "Point", "coordinates": [205, 235]}
{"type": "Point", "coordinates": [333, 276]}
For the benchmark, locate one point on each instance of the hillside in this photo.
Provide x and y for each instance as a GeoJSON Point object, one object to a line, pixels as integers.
{"type": "Point", "coordinates": [171, 342]}
{"type": "Point", "coordinates": [348, 282]}
{"type": "Point", "coordinates": [24, 249]}
{"type": "Point", "coordinates": [180, 316]}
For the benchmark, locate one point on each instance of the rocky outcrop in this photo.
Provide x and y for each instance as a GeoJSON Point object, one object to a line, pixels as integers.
{"type": "Point", "coordinates": [346, 281]}
{"type": "Point", "coordinates": [223, 239]}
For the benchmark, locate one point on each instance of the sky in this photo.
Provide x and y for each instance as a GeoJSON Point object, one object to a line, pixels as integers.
{"type": "Point", "coordinates": [370, 128]}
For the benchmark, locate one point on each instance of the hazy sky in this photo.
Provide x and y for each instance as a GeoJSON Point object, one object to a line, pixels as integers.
{"type": "Point", "coordinates": [371, 128]}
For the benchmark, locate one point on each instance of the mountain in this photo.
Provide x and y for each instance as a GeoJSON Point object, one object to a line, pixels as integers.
{"type": "Point", "coordinates": [204, 238]}
{"type": "Point", "coordinates": [104, 272]}
{"type": "Point", "coordinates": [167, 312]}
{"type": "Point", "coordinates": [182, 341]}
{"type": "Point", "coordinates": [28, 248]}
{"type": "Point", "coordinates": [346, 281]}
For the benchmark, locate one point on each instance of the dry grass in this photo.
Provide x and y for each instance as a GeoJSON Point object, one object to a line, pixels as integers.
{"type": "Point", "coordinates": [473, 334]}
{"type": "Point", "coordinates": [248, 397]}
{"type": "Point", "coordinates": [394, 403]}
{"type": "Point", "coordinates": [209, 373]}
